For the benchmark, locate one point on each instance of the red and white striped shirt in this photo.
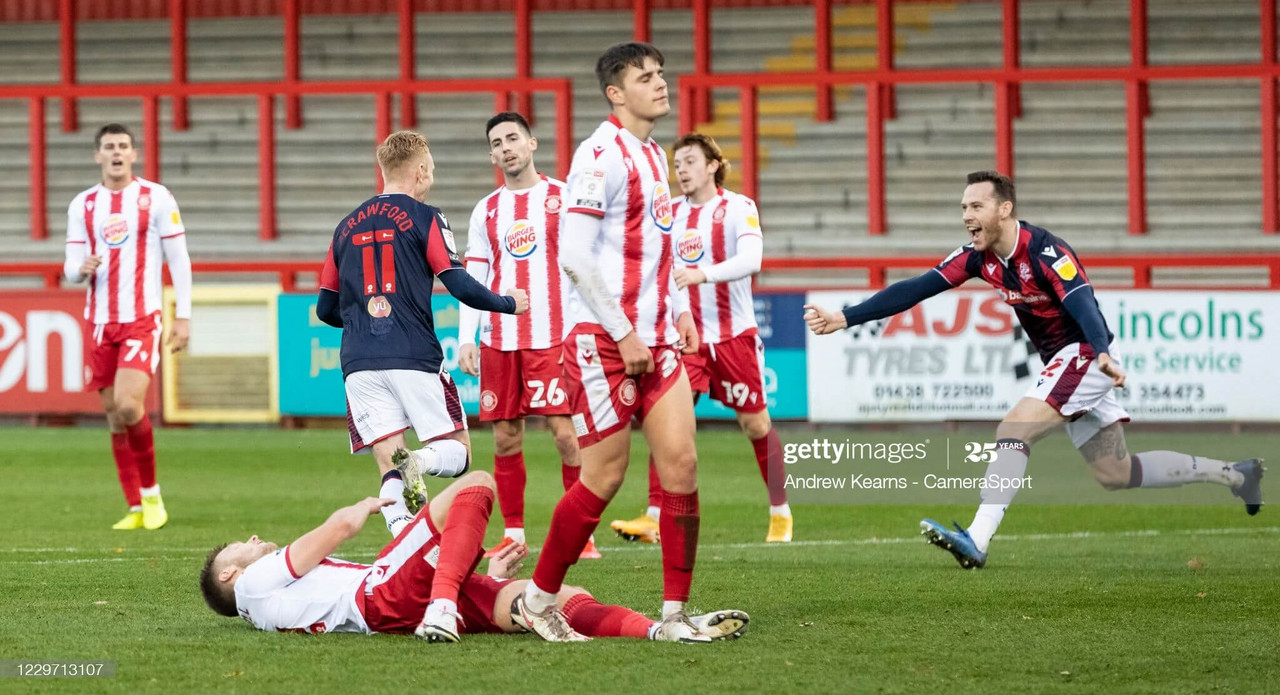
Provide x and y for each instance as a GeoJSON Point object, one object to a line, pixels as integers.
{"type": "Point", "coordinates": [517, 235]}
{"type": "Point", "coordinates": [625, 182]}
{"type": "Point", "coordinates": [125, 229]}
{"type": "Point", "coordinates": [706, 235]}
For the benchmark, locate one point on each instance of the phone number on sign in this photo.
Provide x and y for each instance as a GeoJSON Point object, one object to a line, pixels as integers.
{"type": "Point", "coordinates": [1164, 392]}
{"type": "Point", "coordinates": [939, 391]}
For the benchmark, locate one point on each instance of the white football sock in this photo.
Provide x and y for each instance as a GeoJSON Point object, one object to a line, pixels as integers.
{"type": "Point", "coordinates": [515, 534]}
{"type": "Point", "coordinates": [151, 491]}
{"type": "Point", "coordinates": [671, 607]}
{"type": "Point", "coordinates": [1010, 463]}
{"type": "Point", "coordinates": [1172, 469]}
{"type": "Point", "coordinates": [397, 515]}
{"type": "Point", "coordinates": [443, 458]}
{"type": "Point", "coordinates": [536, 599]}
{"type": "Point", "coordinates": [653, 513]}
{"type": "Point", "coordinates": [783, 509]}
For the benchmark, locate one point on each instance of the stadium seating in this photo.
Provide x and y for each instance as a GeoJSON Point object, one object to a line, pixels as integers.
{"type": "Point", "coordinates": [1202, 138]}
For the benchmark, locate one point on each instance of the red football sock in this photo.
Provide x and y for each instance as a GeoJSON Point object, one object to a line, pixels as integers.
{"type": "Point", "coordinates": [460, 541]}
{"type": "Point", "coordinates": [655, 486]}
{"type": "Point", "coordinates": [769, 458]}
{"type": "Point", "coordinates": [143, 445]}
{"type": "Point", "coordinates": [678, 527]}
{"type": "Point", "coordinates": [569, 474]}
{"type": "Point", "coordinates": [509, 473]}
{"type": "Point", "coordinates": [594, 619]}
{"type": "Point", "coordinates": [573, 522]}
{"type": "Point", "coordinates": [126, 468]}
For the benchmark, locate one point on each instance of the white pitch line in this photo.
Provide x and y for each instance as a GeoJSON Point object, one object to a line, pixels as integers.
{"type": "Point", "coordinates": [182, 553]}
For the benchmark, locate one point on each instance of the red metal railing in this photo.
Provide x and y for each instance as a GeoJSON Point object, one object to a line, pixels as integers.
{"type": "Point", "coordinates": [381, 91]}
{"type": "Point", "coordinates": [1143, 268]}
{"type": "Point", "coordinates": [696, 88]}
{"type": "Point", "coordinates": [1006, 79]}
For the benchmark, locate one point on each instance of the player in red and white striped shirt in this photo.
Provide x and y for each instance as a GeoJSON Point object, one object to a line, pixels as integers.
{"type": "Point", "coordinates": [629, 326]}
{"type": "Point", "coordinates": [514, 238]}
{"type": "Point", "coordinates": [718, 247]}
{"type": "Point", "coordinates": [116, 233]}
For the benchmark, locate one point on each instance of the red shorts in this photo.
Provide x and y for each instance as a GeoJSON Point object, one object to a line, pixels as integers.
{"type": "Point", "coordinates": [116, 345]}
{"type": "Point", "coordinates": [521, 382]}
{"type": "Point", "coordinates": [603, 397]}
{"type": "Point", "coordinates": [733, 371]}
{"type": "Point", "coordinates": [396, 594]}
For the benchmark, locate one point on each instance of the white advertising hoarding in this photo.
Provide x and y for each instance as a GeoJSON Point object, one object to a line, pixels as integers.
{"type": "Point", "coordinates": [1190, 356]}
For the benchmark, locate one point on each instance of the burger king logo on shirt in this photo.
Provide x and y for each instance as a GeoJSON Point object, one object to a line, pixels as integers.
{"type": "Point", "coordinates": [660, 208]}
{"type": "Point", "coordinates": [690, 248]}
{"type": "Point", "coordinates": [522, 239]}
{"type": "Point", "coordinates": [116, 231]}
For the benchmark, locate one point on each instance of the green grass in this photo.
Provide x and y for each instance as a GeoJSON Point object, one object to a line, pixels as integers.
{"type": "Point", "coordinates": [860, 604]}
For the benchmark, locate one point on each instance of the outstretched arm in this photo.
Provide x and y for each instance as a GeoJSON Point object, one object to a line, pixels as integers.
{"type": "Point", "coordinates": [477, 296]}
{"type": "Point", "coordinates": [893, 299]}
{"type": "Point", "coordinates": [307, 552]}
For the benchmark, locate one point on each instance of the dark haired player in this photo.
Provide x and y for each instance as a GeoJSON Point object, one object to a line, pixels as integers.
{"type": "Point", "coordinates": [1041, 277]}
{"type": "Point", "coordinates": [630, 324]}
{"type": "Point", "coordinates": [117, 232]}
{"type": "Point", "coordinates": [515, 237]}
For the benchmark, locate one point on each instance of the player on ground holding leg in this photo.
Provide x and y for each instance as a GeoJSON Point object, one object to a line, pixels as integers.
{"type": "Point", "coordinates": [718, 247]}
{"type": "Point", "coordinates": [623, 353]}
{"type": "Point", "coordinates": [1040, 276]}
{"type": "Point", "coordinates": [515, 237]}
{"type": "Point", "coordinates": [376, 286]}
{"type": "Point", "coordinates": [116, 233]}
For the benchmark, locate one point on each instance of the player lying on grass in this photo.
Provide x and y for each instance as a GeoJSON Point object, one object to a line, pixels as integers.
{"type": "Point", "coordinates": [1041, 278]}
{"type": "Point", "coordinates": [422, 582]}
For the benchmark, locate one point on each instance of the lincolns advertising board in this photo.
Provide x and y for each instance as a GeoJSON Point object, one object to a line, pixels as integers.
{"type": "Point", "coordinates": [1190, 356]}
{"type": "Point", "coordinates": [42, 353]}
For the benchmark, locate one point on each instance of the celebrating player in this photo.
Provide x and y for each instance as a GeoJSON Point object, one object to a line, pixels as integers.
{"type": "Point", "coordinates": [376, 286]}
{"type": "Point", "coordinates": [116, 232]}
{"type": "Point", "coordinates": [421, 582]}
{"type": "Point", "coordinates": [515, 235]}
{"type": "Point", "coordinates": [630, 323]}
{"type": "Point", "coordinates": [718, 248]}
{"type": "Point", "coordinates": [1041, 277]}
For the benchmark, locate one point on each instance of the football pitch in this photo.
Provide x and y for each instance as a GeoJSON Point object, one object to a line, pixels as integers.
{"type": "Point", "coordinates": [1085, 591]}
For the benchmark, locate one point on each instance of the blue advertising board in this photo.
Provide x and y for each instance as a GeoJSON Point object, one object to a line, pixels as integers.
{"type": "Point", "coordinates": [311, 369]}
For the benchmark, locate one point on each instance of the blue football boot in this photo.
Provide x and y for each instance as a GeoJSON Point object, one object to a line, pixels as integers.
{"type": "Point", "coordinates": [957, 542]}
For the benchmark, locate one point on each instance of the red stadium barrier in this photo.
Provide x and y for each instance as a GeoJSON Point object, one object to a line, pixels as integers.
{"type": "Point", "coordinates": [1006, 80]}
{"type": "Point", "coordinates": [1142, 267]}
{"type": "Point", "coordinates": [381, 91]}
{"type": "Point", "coordinates": [696, 88]}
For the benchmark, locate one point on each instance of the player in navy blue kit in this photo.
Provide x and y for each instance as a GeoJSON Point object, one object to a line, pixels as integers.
{"type": "Point", "coordinates": [1040, 276]}
{"type": "Point", "coordinates": [376, 286]}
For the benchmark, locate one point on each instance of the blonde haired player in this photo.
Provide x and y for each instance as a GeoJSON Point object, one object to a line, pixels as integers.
{"type": "Point", "coordinates": [116, 233]}
{"type": "Point", "coordinates": [718, 247]}
{"type": "Point", "coordinates": [515, 237]}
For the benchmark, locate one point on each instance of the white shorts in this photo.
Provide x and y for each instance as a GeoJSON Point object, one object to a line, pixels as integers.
{"type": "Point", "coordinates": [382, 403]}
{"type": "Point", "coordinates": [1076, 387]}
